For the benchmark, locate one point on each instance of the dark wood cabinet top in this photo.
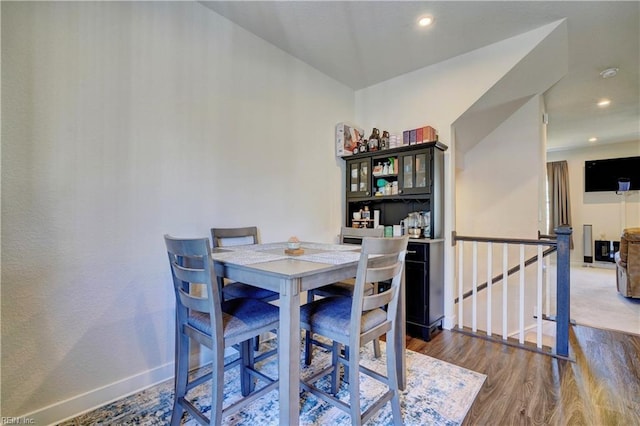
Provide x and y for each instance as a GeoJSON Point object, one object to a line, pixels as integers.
{"type": "Point", "coordinates": [398, 150]}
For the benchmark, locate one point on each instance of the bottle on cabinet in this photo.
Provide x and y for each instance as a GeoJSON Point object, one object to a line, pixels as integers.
{"type": "Point", "coordinates": [374, 140]}
{"type": "Point", "coordinates": [384, 140]}
{"type": "Point", "coordinates": [362, 146]}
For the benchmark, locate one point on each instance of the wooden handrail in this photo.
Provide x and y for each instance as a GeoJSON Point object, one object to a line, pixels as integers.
{"type": "Point", "coordinates": [546, 237]}
{"type": "Point", "coordinates": [540, 242]}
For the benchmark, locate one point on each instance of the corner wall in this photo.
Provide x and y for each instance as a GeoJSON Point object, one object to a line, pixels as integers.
{"type": "Point", "coordinates": [438, 96]}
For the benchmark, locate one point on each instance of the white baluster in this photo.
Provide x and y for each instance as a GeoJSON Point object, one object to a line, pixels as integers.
{"type": "Point", "coordinates": [521, 312]}
{"type": "Point", "coordinates": [460, 282]}
{"type": "Point", "coordinates": [539, 300]}
{"type": "Point", "coordinates": [474, 298]}
{"type": "Point", "coordinates": [489, 286]}
{"type": "Point", "coordinates": [547, 279]}
{"type": "Point", "coordinates": [505, 286]}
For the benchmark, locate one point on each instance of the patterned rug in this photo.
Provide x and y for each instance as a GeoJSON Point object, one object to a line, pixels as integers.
{"type": "Point", "coordinates": [437, 393]}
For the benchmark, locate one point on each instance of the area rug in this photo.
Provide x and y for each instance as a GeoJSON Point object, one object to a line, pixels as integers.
{"type": "Point", "coordinates": [595, 301]}
{"type": "Point", "coordinates": [437, 393]}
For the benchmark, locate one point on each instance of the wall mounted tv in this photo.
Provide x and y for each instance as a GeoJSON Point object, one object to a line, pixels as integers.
{"type": "Point", "coordinates": [603, 175]}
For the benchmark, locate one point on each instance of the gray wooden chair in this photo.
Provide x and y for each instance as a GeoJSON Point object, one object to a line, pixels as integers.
{"type": "Point", "coordinates": [352, 322]}
{"type": "Point", "coordinates": [226, 237]}
{"type": "Point", "coordinates": [201, 317]}
{"type": "Point", "coordinates": [341, 288]}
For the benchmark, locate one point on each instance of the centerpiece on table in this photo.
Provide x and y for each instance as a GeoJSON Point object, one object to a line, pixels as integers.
{"type": "Point", "coordinates": [293, 247]}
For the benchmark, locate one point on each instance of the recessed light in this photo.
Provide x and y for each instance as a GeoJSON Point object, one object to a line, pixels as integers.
{"type": "Point", "coordinates": [604, 103]}
{"type": "Point", "coordinates": [609, 72]}
{"type": "Point", "coordinates": [593, 139]}
{"type": "Point", "coordinates": [425, 21]}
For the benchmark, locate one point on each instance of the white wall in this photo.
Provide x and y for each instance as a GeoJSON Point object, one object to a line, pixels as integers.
{"type": "Point", "coordinates": [497, 193]}
{"type": "Point", "coordinates": [123, 122]}
{"type": "Point", "coordinates": [607, 212]}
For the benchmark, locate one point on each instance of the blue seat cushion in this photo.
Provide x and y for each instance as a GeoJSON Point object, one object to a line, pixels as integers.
{"type": "Point", "coordinates": [334, 315]}
{"type": "Point", "coordinates": [235, 290]}
{"type": "Point", "coordinates": [238, 316]}
{"type": "Point", "coordinates": [341, 288]}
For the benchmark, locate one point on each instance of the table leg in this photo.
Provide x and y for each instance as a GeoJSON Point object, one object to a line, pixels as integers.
{"type": "Point", "coordinates": [289, 353]}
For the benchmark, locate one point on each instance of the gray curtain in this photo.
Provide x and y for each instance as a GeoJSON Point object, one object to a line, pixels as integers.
{"type": "Point", "coordinates": [558, 195]}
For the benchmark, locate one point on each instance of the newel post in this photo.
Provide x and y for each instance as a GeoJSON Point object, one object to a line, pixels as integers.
{"type": "Point", "coordinates": [563, 234]}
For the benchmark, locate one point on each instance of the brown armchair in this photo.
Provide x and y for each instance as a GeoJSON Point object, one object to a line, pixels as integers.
{"type": "Point", "coordinates": [628, 263]}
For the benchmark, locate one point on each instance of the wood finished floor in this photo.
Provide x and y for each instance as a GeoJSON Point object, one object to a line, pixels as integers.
{"type": "Point", "coordinates": [602, 386]}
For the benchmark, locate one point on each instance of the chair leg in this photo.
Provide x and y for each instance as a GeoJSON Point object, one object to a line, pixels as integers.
{"type": "Point", "coordinates": [354, 387]}
{"type": "Point", "coordinates": [392, 379]}
{"type": "Point", "coordinates": [256, 343]}
{"type": "Point", "coordinates": [308, 345]}
{"type": "Point", "coordinates": [181, 376]}
{"type": "Point", "coordinates": [376, 348]}
{"type": "Point", "coordinates": [346, 367]}
{"type": "Point", "coordinates": [335, 374]}
{"type": "Point", "coordinates": [217, 386]}
{"type": "Point", "coordinates": [247, 383]}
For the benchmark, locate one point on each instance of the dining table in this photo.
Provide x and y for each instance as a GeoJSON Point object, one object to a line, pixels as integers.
{"type": "Point", "coordinates": [272, 266]}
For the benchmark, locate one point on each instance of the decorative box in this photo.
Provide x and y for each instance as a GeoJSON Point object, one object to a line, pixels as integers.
{"type": "Point", "coordinates": [405, 137]}
{"type": "Point", "coordinates": [429, 134]}
{"type": "Point", "coordinates": [347, 138]}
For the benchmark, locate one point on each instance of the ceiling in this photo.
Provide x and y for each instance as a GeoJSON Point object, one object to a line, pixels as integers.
{"type": "Point", "coordinates": [361, 43]}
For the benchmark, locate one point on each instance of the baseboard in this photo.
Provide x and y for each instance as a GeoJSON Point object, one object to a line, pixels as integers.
{"type": "Point", "coordinates": [88, 401]}
{"type": "Point", "coordinates": [448, 322]}
{"type": "Point", "coordinates": [72, 407]}
{"type": "Point", "coordinates": [596, 264]}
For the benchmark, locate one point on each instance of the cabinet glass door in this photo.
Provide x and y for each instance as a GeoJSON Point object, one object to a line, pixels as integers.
{"type": "Point", "coordinates": [359, 178]}
{"type": "Point", "coordinates": [407, 171]}
{"type": "Point", "coordinates": [415, 173]}
{"type": "Point", "coordinates": [421, 171]}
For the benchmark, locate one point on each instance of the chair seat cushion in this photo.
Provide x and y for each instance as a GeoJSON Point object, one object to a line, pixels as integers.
{"type": "Point", "coordinates": [238, 316]}
{"type": "Point", "coordinates": [333, 314]}
{"type": "Point", "coordinates": [235, 290]}
{"type": "Point", "coordinates": [341, 288]}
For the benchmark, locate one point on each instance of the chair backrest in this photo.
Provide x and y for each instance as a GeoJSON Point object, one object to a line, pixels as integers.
{"type": "Point", "coordinates": [225, 237]}
{"type": "Point", "coordinates": [381, 259]}
{"type": "Point", "coordinates": [355, 235]}
{"type": "Point", "coordinates": [191, 264]}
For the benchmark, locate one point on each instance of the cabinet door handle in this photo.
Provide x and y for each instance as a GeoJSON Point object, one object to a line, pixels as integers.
{"type": "Point", "coordinates": [412, 251]}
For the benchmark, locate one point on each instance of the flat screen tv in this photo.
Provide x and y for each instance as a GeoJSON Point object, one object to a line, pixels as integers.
{"type": "Point", "coordinates": [603, 175]}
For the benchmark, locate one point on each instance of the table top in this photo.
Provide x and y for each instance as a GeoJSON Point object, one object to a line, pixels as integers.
{"type": "Point", "coordinates": [271, 258]}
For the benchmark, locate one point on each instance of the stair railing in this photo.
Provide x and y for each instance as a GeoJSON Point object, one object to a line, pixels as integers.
{"type": "Point", "coordinates": [560, 244]}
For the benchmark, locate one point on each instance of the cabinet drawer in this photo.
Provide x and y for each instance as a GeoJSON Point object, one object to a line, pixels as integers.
{"type": "Point", "coordinates": [417, 252]}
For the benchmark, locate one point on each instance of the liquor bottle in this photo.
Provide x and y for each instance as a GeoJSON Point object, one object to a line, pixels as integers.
{"type": "Point", "coordinates": [374, 140]}
{"type": "Point", "coordinates": [384, 140]}
{"type": "Point", "coordinates": [362, 146]}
